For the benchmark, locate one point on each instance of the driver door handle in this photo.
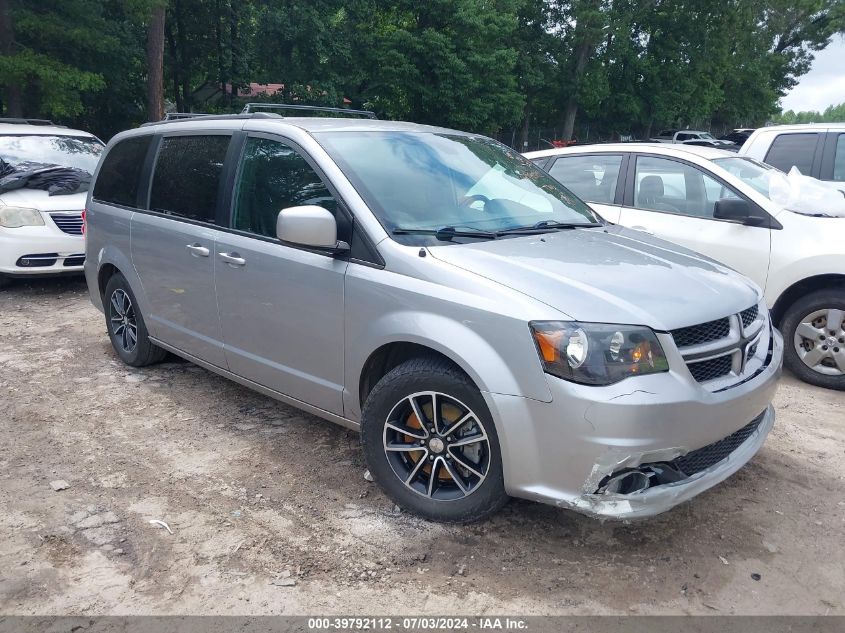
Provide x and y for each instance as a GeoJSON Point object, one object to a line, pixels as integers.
{"type": "Point", "coordinates": [233, 259]}
{"type": "Point", "coordinates": [197, 250]}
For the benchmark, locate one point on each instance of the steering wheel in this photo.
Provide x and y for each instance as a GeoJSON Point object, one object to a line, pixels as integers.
{"type": "Point", "coordinates": [467, 201]}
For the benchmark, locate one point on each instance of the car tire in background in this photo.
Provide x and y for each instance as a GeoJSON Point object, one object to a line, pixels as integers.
{"type": "Point", "coordinates": [126, 327]}
{"type": "Point", "coordinates": [430, 442]}
{"type": "Point", "coordinates": [4, 281]}
{"type": "Point", "coordinates": [814, 338]}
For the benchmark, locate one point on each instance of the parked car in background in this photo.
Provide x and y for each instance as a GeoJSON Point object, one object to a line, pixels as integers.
{"type": "Point", "coordinates": [40, 229]}
{"type": "Point", "coordinates": [719, 204]}
{"type": "Point", "coordinates": [693, 137]}
{"type": "Point", "coordinates": [483, 328]}
{"type": "Point", "coordinates": [738, 136]}
{"type": "Point", "coordinates": [816, 149]}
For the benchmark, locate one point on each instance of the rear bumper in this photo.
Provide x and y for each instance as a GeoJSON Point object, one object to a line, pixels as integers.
{"type": "Point", "coordinates": [49, 250]}
{"type": "Point", "coordinates": [563, 452]}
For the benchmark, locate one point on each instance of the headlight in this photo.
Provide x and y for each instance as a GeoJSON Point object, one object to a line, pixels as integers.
{"type": "Point", "coordinates": [16, 217]}
{"type": "Point", "coordinates": [597, 353]}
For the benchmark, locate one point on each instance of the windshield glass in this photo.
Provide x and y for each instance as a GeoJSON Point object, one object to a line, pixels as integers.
{"type": "Point", "coordinates": [428, 181]}
{"type": "Point", "coordinates": [705, 135]}
{"type": "Point", "coordinates": [753, 173]}
{"type": "Point", "coordinates": [81, 152]}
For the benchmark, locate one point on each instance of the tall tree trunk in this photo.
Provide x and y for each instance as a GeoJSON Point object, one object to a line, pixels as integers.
{"type": "Point", "coordinates": [526, 125]}
{"type": "Point", "coordinates": [155, 65]}
{"type": "Point", "coordinates": [12, 93]}
{"type": "Point", "coordinates": [582, 55]}
{"type": "Point", "coordinates": [174, 67]}
{"type": "Point", "coordinates": [181, 39]}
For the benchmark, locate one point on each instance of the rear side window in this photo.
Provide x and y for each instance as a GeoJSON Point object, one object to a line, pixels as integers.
{"type": "Point", "coordinates": [839, 159]}
{"type": "Point", "coordinates": [796, 150]}
{"type": "Point", "coordinates": [120, 174]}
{"type": "Point", "coordinates": [591, 178]}
{"type": "Point", "coordinates": [187, 176]}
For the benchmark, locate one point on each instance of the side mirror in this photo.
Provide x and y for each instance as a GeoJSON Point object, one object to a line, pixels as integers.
{"type": "Point", "coordinates": [740, 211]}
{"type": "Point", "coordinates": [310, 226]}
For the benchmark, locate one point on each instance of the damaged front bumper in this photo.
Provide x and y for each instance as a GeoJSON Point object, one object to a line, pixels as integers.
{"type": "Point", "coordinates": [678, 436]}
{"type": "Point", "coordinates": [658, 498]}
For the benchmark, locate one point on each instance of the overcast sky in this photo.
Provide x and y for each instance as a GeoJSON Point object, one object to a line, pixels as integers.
{"type": "Point", "coordinates": [824, 85]}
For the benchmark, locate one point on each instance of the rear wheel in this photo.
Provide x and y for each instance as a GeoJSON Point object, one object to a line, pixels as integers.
{"type": "Point", "coordinates": [125, 323]}
{"type": "Point", "coordinates": [814, 332]}
{"type": "Point", "coordinates": [430, 443]}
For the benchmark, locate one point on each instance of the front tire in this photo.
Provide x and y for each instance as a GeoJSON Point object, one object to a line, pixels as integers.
{"type": "Point", "coordinates": [126, 327]}
{"type": "Point", "coordinates": [814, 338]}
{"type": "Point", "coordinates": [4, 281]}
{"type": "Point", "coordinates": [430, 442]}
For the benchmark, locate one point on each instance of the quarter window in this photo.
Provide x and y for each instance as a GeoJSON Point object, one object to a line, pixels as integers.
{"type": "Point", "coordinates": [119, 177]}
{"type": "Point", "coordinates": [591, 178]}
{"type": "Point", "coordinates": [667, 185]}
{"type": "Point", "coordinates": [839, 159]}
{"type": "Point", "coordinates": [793, 150]}
{"type": "Point", "coordinates": [187, 176]}
{"type": "Point", "coordinates": [274, 177]}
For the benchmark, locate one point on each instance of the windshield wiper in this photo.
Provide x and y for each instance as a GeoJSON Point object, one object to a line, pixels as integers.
{"type": "Point", "coordinates": [545, 225]}
{"type": "Point", "coordinates": [446, 233]}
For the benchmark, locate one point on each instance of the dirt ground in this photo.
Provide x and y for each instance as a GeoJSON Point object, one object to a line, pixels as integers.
{"type": "Point", "coordinates": [270, 513]}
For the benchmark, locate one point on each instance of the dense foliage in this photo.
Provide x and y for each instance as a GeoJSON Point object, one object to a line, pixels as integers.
{"type": "Point", "coordinates": [620, 67]}
{"type": "Point", "coordinates": [833, 114]}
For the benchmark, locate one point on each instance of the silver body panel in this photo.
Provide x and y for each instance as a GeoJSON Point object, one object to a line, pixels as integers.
{"type": "Point", "coordinates": [300, 326]}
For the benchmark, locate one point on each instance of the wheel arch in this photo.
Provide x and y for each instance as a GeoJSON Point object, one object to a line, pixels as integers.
{"type": "Point", "coordinates": [390, 356]}
{"type": "Point", "coordinates": [802, 288]}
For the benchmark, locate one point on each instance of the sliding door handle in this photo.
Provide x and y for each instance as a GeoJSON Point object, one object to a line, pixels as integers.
{"type": "Point", "coordinates": [233, 259]}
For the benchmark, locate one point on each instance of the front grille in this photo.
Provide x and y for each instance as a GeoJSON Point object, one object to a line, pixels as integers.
{"type": "Point", "coordinates": [702, 333]}
{"type": "Point", "coordinates": [69, 223]}
{"type": "Point", "coordinates": [74, 260]}
{"type": "Point", "coordinates": [710, 455]}
{"type": "Point", "coordinates": [749, 316]}
{"type": "Point", "coordinates": [711, 369]}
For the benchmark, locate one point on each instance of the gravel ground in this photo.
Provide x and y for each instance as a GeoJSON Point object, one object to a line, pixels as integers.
{"type": "Point", "coordinates": [270, 513]}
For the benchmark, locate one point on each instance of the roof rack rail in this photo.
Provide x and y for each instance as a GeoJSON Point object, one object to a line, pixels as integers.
{"type": "Point", "coordinates": [215, 117]}
{"type": "Point", "coordinates": [27, 121]}
{"type": "Point", "coordinates": [252, 107]}
{"type": "Point", "coordinates": [172, 116]}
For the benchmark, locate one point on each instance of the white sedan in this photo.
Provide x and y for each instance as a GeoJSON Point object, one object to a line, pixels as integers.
{"type": "Point", "coordinates": [40, 233]}
{"type": "Point", "coordinates": [719, 204]}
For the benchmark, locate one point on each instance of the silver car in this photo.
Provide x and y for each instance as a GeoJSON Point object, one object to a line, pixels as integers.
{"type": "Point", "coordinates": [488, 334]}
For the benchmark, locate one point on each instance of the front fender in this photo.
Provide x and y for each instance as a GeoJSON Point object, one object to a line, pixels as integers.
{"type": "Point", "coordinates": [495, 350]}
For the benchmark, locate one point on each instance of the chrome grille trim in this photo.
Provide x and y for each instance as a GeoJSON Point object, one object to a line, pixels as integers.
{"type": "Point", "coordinates": [68, 221]}
{"type": "Point", "coordinates": [717, 363]}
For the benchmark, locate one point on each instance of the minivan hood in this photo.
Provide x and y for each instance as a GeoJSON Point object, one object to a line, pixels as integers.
{"type": "Point", "coordinates": [609, 275]}
{"type": "Point", "coordinates": [43, 201]}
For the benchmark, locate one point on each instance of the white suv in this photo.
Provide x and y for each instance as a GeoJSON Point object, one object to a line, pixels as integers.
{"type": "Point", "coordinates": [40, 233]}
{"type": "Point", "coordinates": [717, 203]}
{"type": "Point", "coordinates": [816, 149]}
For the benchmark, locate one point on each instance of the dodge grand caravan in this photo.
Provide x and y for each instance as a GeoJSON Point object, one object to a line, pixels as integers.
{"type": "Point", "coordinates": [488, 334]}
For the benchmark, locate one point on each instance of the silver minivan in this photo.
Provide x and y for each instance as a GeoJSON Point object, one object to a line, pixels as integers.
{"type": "Point", "coordinates": [488, 334]}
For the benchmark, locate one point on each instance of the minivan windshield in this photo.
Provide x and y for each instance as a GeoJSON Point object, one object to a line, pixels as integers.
{"type": "Point", "coordinates": [418, 182]}
{"type": "Point", "coordinates": [81, 152]}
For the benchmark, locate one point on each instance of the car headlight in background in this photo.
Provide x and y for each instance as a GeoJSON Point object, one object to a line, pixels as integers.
{"type": "Point", "coordinates": [597, 353]}
{"type": "Point", "coordinates": [16, 217]}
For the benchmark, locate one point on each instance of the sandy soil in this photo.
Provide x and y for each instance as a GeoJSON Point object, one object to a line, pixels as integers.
{"type": "Point", "coordinates": [270, 513]}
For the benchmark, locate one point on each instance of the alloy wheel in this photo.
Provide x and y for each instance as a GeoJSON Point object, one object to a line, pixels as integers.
{"type": "Point", "coordinates": [437, 446]}
{"type": "Point", "coordinates": [820, 341]}
{"type": "Point", "coordinates": [123, 321]}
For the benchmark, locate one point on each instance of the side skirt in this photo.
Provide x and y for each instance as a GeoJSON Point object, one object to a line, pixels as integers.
{"type": "Point", "coordinates": [299, 404]}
